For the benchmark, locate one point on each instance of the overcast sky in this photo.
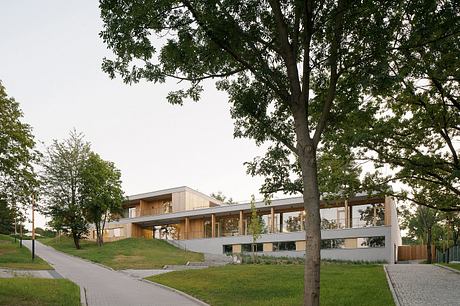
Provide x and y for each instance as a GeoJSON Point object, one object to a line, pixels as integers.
{"type": "Point", "coordinates": [50, 62]}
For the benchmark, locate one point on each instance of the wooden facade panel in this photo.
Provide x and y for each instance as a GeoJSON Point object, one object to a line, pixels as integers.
{"type": "Point", "coordinates": [236, 248]}
{"type": "Point", "coordinates": [300, 245]}
{"type": "Point", "coordinates": [178, 201]}
{"type": "Point", "coordinates": [268, 247]}
{"type": "Point", "coordinates": [351, 243]}
{"type": "Point", "coordinates": [196, 228]}
{"type": "Point", "coordinates": [194, 201]}
{"type": "Point", "coordinates": [414, 252]}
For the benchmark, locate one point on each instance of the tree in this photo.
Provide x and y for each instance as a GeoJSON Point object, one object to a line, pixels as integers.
{"type": "Point", "coordinates": [421, 224]}
{"type": "Point", "coordinates": [285, 66]}
{"type": "Point", "coordinates": [101, 194]}
{"type": "Point", "coordinates": [6, 218]}
{"type": "Point", "coordinates": [17, 157]}
{"type": "Point", "coordinates": [417, 128]}
{"type": "Point", "coordinates": [223, 198]}
{"type": "Point", "coordinates": [63, 164]}
{"type": "Point", "coordinates": [255, 226]}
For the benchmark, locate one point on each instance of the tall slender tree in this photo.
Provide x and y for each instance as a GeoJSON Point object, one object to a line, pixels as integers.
{"type": "Point", "coordinates": [63, 164]}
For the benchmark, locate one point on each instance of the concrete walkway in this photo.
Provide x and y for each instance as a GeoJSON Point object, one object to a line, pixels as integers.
{"type": "Point", "coordinates": [107, 287]}
{"type": "Point", "coordinates": [420, 284]}
{"type": "Point", "coordinates": [10, 273]}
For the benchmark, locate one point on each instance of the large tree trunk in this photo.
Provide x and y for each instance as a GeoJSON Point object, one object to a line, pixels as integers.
{"type": "Point", "coordinates": [307, 159]}
{"type": "Point", "coordinates": [76, 241]}
{"type": "Point", "coordinates": [312, 229]}
{"type": "Point", "coordinates": [428, 246]}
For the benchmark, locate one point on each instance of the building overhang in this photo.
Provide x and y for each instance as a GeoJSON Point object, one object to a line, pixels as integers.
{"type": "Point", "coordinates": [234, 209]}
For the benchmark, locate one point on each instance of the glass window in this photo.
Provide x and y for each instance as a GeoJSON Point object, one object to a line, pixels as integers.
{"type": "Point", "coordinates": [132, 212]}
{"type": "Point", "coordinates": [247, 248]}
{"type": "Point", "coordinates": [292, 222]}
{"type": "Point", "coordinates": [228, 249]}
{"type": "Point", "coordinates": [332, 218]}
{"type": "Point", "coordinates": [284, 246]}
{"type": "Point", "coordinates": [228, 226]}
{"type": "Point", "coordinates": [332, 243]}
{"type": "Point", "coordinates": [167, 207]}
{"type": "Point", "coordinates": [264, 222]}
{"type": "Point", "coordinates": [167, 232]}
{"type": "Point", "coordinates": [371, 242]}
{"type": "Point", "coordinates": [367, 215]}
{"type": "Point", "coordinates": [207, 229]}
{"type": "Point", "coordinates": [352, 243]}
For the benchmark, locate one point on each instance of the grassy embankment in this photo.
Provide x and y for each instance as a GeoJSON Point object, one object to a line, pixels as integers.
{"type": "Point", "coordinates": [38, 292]}
{"type": "Point", "coordinates": [341, 284]}
{"type": "Point", "coordinates": [24, 291]}
{"type": "Point", "coordinates": [14, 257]}
{"type": "Point", "coordinates": [131, 253]}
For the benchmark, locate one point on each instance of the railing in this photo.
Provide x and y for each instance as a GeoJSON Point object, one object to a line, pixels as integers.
{"type": "Point", "coordinates": [448, 255]}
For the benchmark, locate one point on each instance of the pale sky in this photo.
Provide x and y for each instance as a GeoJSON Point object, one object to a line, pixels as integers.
{"type": "Point", "coordinates": [50, 62]}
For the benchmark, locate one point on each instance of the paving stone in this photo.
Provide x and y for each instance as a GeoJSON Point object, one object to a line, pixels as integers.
{"type": "Point", "coordinates": [421, 284]}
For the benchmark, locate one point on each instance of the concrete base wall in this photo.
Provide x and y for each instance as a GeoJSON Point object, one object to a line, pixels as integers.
{"type": "Point", "coordinates": [215, 245]}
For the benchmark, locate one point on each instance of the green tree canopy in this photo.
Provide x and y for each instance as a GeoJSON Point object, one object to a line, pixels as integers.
{"type": "Point", "coordinates": [414, 124]}
{"type": "Point", "coordinates": [17, 156]}
{"type": "Point", "coordinates": [62, 185]}
{"type": "Point", "coordinates": [101, 193]}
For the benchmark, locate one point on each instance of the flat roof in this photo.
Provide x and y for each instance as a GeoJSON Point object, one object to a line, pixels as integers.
{"type": "Point", "coordinates": [163, 192]}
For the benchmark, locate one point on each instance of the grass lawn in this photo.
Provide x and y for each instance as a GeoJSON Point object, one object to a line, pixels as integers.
{"type": "Point", "coordinates": [341, 284]}
{"type": "Point", "coordinates": [452, 265]}
{"type": "Point", "coordinates": [38, 291]}
{"type": "Point", "coordinates": [131, 253]}
{"type": "Point", "coordinates": [14, 257]}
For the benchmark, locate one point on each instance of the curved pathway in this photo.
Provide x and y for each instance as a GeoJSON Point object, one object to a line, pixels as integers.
{"type": "Point", "coordinates": [420, 284]}
{"type": "Point", "coordinates": [105, 286]}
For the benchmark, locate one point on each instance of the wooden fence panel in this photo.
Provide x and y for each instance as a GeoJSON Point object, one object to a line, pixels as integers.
{"type": "Point", "coordinates": [414, 252]}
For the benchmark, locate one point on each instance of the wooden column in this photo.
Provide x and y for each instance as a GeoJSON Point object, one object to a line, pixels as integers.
{"type": "Point", "coordinates": [302, 220]}
{"type": "Point", "coordinates": [240, 224]}
{"type": "Point", "coordinates": [347, 215]}
{"type": "Point", "coordinates": [213, 225]}
{"type": "Point", "coordinates": [272, 220]}
{"type": "Point", "coordinates": [387, 212]}
{"type": "Point", "coordinates": [187, 227]}
{"type": "Point", "coordinates": [374, 219]}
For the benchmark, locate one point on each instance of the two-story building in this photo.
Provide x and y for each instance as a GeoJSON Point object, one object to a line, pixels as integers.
{"type": "Point", "coordinates": [361, 228]}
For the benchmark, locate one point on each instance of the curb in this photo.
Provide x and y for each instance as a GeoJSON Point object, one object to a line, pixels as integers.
{"type": "Point", "coordinates": [392, 289]}
{"type": "Point", "coordinates": [448, 268]}
{"type": "Point", "coordinates": [193, 299]}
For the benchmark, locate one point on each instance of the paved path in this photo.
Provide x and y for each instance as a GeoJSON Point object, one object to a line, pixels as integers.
{"type": "Point", "coordinates": [419, 284]}
{"type": "Point", "coordinates": [9, 273]}
{"type": "Point", "coordinates": [107, 287]}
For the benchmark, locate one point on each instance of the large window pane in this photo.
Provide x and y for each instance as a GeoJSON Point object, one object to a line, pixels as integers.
{"type": "Point", "coordinates": [367, 215]}
{"type": "Point", "coordinates": [292, 222]}
{"type": "Point", "coordinates": [332, 218]}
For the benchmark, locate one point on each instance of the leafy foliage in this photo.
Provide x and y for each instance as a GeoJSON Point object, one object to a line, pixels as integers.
{"type": "Point", "coordinates": [17, 156]}
{"type": "Point", "coordinates": [101, 193]}
{"type": "Point", "coordinates": [416, 128]}
{"type": "Point", "coordinates": [62, 185]}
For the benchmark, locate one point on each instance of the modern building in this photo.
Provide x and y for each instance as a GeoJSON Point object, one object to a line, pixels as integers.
{"type": "Point", "coordinates": [361, 228]}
